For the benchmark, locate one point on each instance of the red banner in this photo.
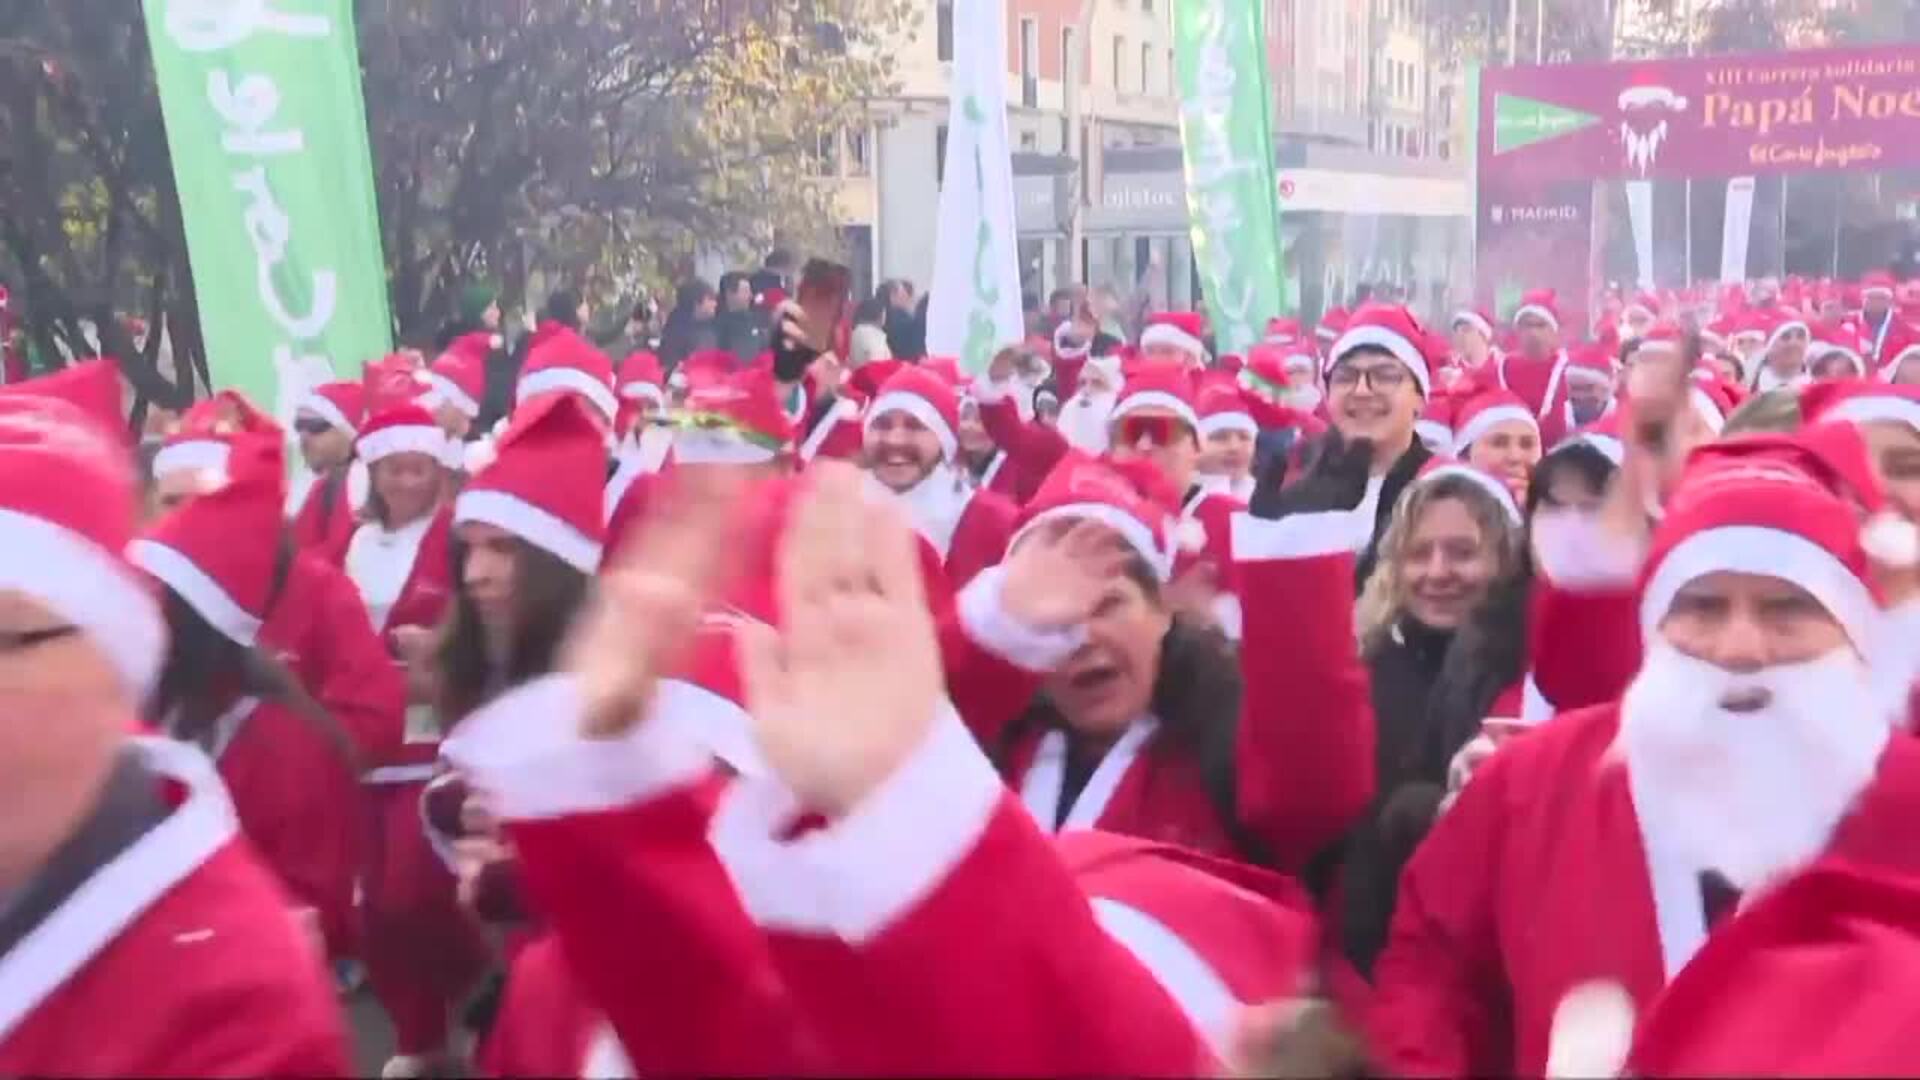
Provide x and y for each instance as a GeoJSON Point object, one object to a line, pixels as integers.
{"type": "Point", "coordinates": [1805, 111]}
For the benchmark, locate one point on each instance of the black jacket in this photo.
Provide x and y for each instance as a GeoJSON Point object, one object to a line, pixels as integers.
{"type": "Point", "coordinates": [742, 333]}
{"type": "Point", "coordinates": [1398, 477]}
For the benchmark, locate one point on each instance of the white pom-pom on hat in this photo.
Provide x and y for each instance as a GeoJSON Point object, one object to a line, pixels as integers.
{"type": "Point", "coordinates": [1592, 1031]}
{"type": "Point", "coordinates": [1191, 536]}
{"type": "Point", "coordinates": [1891, 540]}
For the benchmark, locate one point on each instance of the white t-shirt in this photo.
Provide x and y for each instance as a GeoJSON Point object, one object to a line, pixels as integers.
{"type": "Point", "coordinates": [380, 560]}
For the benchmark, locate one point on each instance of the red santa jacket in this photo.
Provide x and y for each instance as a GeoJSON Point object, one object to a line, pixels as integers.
{"type": "Point", "coordinates": [1538, 880]}
{"type": "Point", "coordinates": [547, 1026]}
{"type": "Point", "coordinates": [326, 519]}
{"type": "Point", "coordinates": [297, 795]}
{"type": "Point", "coordinates": [1583, 627]}
{"type": "Point", "coordinates": [1540, 383]}
{"type": "Point", "coordinates": [1889, 339]}
{"type": "Point", "coordinates": [318, 628]}
{"type": "Point", "coordinates": [178, 957]}
{"type": "Point", "coordinates": [1304, 758]}
{"type": "Point", "coordinates": [1095, 928]}
{"type": "Point", "coordinates": [423, 601]}
{"type": "Point", "coordinates": [1031, 449]}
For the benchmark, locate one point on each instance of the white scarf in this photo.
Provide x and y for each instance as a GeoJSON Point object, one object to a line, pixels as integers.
{"type": "Point", "coordinates": [935, 505]}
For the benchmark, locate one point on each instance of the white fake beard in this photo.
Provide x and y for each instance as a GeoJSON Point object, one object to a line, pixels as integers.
{"type": "Point", "coordinates": [1083, 421]}
{"type": "Point", "coordinates": [1750, 794]}
{"type": "Point", "coordinates": [934, 505]}
{"type": "Point", "coordinates": [1304, 398]}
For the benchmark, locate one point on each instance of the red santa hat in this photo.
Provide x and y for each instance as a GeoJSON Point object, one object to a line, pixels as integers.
{"type": "Point", "coordinates": [1442, 468]}
{"type": "Point", "coordinates": [1475, 318]}
{"type": "Point", "coordinates": [1779, 324]}
{"type": "Point", "coordinates": [1333, 323]}
{"type": "Point", "coordinates": [927, 398]}
{"type": "Point", "coordinates": [1542, 304]}
{"type": "Point", "coordinates": [1646, 303]}
{"type": "Point", "coordinates": [1786, 507]}
{"type": "Point", "coordinates": [947, 368]}
{"type": "Point", "coordinates": [545, 484]}
{"type": "Point", "coordinates": [1283, 330]}
{"type": "Point", "coordinates": [1269, 369]}
{"type": "Point", "coordinates": [458, 376]}
{"type": "Point", "coordinates": [67, 498]}
{"type": "Point", "coordinates": [1393, 329]}
{"type": "Point", "coordinates": [392, 380]}
{"type": "Point", "coordinates": [703, 367]}
{"type": "Point", "coordinates": [734, 421]}
{"type": "Point", "coordinates": [1841, 339]}
{"type": "Point", "coordinates": [1124, 500]}
{"type": "Point", "coordinates": [1158, 386]}
{"type": "Point", "coordinates": [567, 362]}
{"type": "Point", "coordinates": [1892, 367]}
{"type": "Point", "coordinates": [92, 386]}
{"type": "Point", "coordinates": [401, 429]}
{"type": "Point", "coordinates": [1591, 364]}
{"type": "Point", "coordinates": [1878, 283]}
{"type": "Point", "coordinates": [1222, 408]}
{"type": "Point", "coordinates": [1713, 399]}
{"type": "Point", "coordinates": [200, 442]}
{"type": "Point", "coordinates": [1859, 401]}
{"type": "Point", "coordinates": [194, 550]}
{"type": "Point", "coordinates": [641, 379]}
{"type": "Point", "coordinates": [1182, 330]}
{"type": "Point", "coordinates": [1603, 435]}
{"type": "Point", "coordinates": [341, 404]}
{"type": "Point", "coordinates": [1487, 410]}
{"type": "Point", "coordinates": [1819, 976]}
{"type": "Point", "coordinates": [1435, 425]}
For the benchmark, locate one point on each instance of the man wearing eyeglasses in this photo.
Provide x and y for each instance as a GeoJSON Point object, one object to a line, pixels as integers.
{"type": "Point", "coordinates": [1378, 377]}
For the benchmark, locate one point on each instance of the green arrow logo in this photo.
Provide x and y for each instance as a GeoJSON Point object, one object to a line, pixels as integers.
{"type": "Point", "coordinates": [1519, 121]}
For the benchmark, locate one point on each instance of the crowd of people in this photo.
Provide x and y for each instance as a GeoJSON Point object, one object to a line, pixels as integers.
{"type": "Point", "coordinates": [1501, 699]}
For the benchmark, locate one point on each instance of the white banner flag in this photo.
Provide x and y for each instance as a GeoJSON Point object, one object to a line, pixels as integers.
{"type": "Point", "coordinates": [974, 304]}
{"type": "Point", "coordinates": [1738, 231]}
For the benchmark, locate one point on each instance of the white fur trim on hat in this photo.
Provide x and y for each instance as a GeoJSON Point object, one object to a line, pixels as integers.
{"type": "Point", "coordinates": [1473, 319]}
{"type": "Point", "coordinates": [1610, 447]}
{"type": "Point", "coordinates": [1867, 410]}
{"type": "Point", "coordinates": [1540, 312]}
{"type": "Point", "coordinates": [702, 446]}
{"type": "Point", "coordinates": [1765, 552]}
{"type": "Point", "coordinates": [1131, 529]}
{"type": "Point", "coordinates": [209, 455]}
{"type": "Point", "coordinates": [920, 409]}
{"type": "Point", "coordinates": [445, 390]}
{"type": "Point", "coordinates": [1778, 331]}
{"type": "Point", "coordinates": [1396, 345]}
{"type": "Point", "coordinates": [638, 390]}
{"type": "Point", "coordinates": [1229, 421]}
{"type": "Point", "coordinates": [197, 588]}
{"type": "Point", "coordinates": [1581, 373]}
{"type": "Point", "coordinates": [1707, 409]}
{"type": "Point", "coordinates": [320, 406]}
{"type": "Point", "coordinates": [1484, 481]}
{"type": "Point", "coordinates": [1068, 352]}
{"type": "Point", "coordinates": [1172, 337]}
{"type": "Point", "coordinates": [1435, 434]}
{"type": "Point", "coordinates": [1488, 419]}
{"type": "Point", "coordinates": [571, 379]}
{"type": "Point", "coordinates": [92, 587]}
{"type": "Point", "coordinates": [1853, 358]}
{"type": "Point", "coordinates": [1877, 290]}
{"type": "Point", "coordinates": [529, 523]}
{"type": "Point", "coordinates": [403, 439]}
{"type": "Point", "coordinates": [1154, 399]}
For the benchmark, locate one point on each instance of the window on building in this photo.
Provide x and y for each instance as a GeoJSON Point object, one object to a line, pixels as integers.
{"type": "Point", "coordinates": [859, 153]}
{"type": "Point", "coordinates": [1146, 68]}
{"type": "Point", "coordinates": [940, 153]}
{"type": "Point", "coordinates": [943, 28]}
{"type": "Point", "coordinates": [826, 155]}
{"type": "Point", "coordinates": [1119, 61]}
{"type": "Point", "coordinates": [1030, 63]}
{"type": "Point", "coordinates": [1029, 140]}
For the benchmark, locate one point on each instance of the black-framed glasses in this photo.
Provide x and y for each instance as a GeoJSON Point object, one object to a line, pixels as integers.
{"type": "Point", "coordinates": [1383, 377]}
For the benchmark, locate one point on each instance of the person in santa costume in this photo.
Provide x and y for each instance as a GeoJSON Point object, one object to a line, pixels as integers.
{"type": "Point", "coordinates": [1783, 360]}
{"type": "Point", "coordinates": [139, 934]}
{"type": "Point", "coordinates": [1471, 343]}
{"type": "Point", "coordinates": [643, 428]}
{"type": "Point", "coordinates": [1640, 314]}
{"type": "Point", "coordinates": [912, 442]}
{"type": "Point", "coordinates": [566, 363]}
{"type": "Point", "coordinates": [1442, 631]}
{"type": "Point", "coordinates": [1378, 378]}
{"type": "Point", "coordinates": [1815, 978]}
{"type": "Point", "coordinates": [1904, 368]}
{"type": "Point", "coordinates": [1537, 366]}
{"type": "Point", "coordinates": [456, 389]}
{"type": "Point", "coordinates": [1589, 379]}
{"type": "Point", "coordinates": [1228, 432]}
{"type": "Point", "coordinates": [1610, 843]}
{"type": "Point", "coordinates": [1887, 333]}
{"type": "Point", "coordinates": [1124, 956]}
{"type": "Point", "coordinates": [1836, 352]}
{"type": "Point", "coordinates": [1495, 432]}
{"type": "Point", "coordinates": [333, 487]}
{"type": "Point", "coordinates": [291, 767]}
{"type": "Point", "coordinates": [192, 459]}
{"type": "Point", "coordinates": [1175, 337]}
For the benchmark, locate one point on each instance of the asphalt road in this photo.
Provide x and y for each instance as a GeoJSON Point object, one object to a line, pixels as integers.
{"type": "Point", "coordinates": [372, 1036]}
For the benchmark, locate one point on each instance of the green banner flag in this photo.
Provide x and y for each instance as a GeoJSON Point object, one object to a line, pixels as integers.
{"type": "Point", "coordinates": [1220, 58]}
{"type": "Point", "coordinates": [268, 135]}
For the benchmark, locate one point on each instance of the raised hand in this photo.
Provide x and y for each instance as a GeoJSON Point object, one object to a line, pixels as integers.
{"type": "Point", "coordinates": [1057, 576]}
{"type": "Point", "coordinates": [849, 686]}
{"type": "Point", "coordinates": [1336, 480]}
{"type": "Point", "coordinates": [648, 603]}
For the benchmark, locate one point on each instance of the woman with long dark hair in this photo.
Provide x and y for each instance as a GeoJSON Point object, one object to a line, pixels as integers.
{"type": "Point", "coordinates": [290, 767]}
